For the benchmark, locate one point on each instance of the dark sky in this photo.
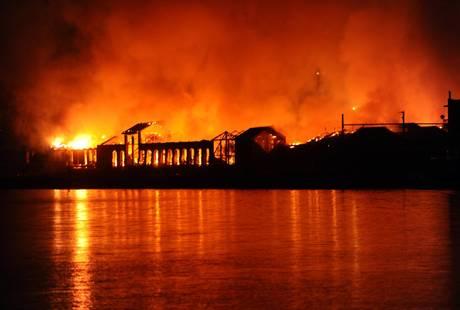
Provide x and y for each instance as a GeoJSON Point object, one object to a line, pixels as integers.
{"type": "Point", "coordinates": [201, 67]}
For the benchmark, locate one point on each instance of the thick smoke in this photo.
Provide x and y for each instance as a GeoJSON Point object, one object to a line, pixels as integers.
{"type": "Point", "coordinates": [205, 66]}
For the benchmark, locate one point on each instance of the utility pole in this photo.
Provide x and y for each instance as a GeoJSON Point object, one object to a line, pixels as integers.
{"type": "Point", "coordinates": [403, 119]}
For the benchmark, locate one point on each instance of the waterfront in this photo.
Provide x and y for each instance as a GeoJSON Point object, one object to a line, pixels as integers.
{"type": "Point", "coordinates": [230, 248]}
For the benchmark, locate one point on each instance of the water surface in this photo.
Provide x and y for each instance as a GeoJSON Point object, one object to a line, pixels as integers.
{"type": "Point", "coordinates": [230, 248]}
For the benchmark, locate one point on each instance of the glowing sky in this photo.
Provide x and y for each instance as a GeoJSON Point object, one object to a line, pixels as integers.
{"type": "Point", "coordinates": [201, 67]}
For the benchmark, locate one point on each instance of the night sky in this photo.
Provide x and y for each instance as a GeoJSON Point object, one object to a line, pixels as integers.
{"type": "Point", "coordinates": [201, 67]}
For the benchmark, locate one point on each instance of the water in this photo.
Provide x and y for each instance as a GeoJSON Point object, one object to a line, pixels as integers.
{"type": "Point", "coordinates": [230, 249]}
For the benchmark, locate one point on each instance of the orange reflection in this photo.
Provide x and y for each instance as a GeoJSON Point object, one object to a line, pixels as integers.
{"type": "Point", "coordinates": [335, 242]}
{"type": "Point", "coordinates": [295, 230]}
{"type": "Point", "coordinates": [294, 205]}
{"type": "Point", "coordinates": [275, 221]}
{"type": "Point", "coordinates": [179, 203]}
{"type": "Point", "coordinates": [81, 277]}
{"type": "Point", "coordinates": [200, 223]}
{"type": "Point", "coordinates": [58, 239]}
{"type": "Point", "coordinates": [57, 222]}
{"type": "Point", "coordinates": [334, 219]}
{"type": "Point", "coordinates": [356, 243]}
{"type": "Point", "coordinates": [331, 240]}
{"type": "Point", "coordinates": [81, 194]}
{"type": "Point", "coordinates": [157, 223]}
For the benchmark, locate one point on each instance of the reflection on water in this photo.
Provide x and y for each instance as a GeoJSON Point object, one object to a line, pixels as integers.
{"type": "Point", "coordinates": [229, 248]}
{"type": "Point", "coordinates": [356, 245]}
{"type": "Point", "coordinates": [157, 233]}
{"type": "Point", "coordinates": [72, 236]}
{"type": "Point", "coordinates": [81, 277]}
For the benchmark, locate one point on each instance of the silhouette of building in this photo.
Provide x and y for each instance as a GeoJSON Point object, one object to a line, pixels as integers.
{"type": "Point", "coordinates": [255, 146]}
{"type": "Point", "coordinates": [453, 108]}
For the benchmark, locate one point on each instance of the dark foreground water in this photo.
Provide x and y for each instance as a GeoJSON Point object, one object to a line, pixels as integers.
{"type": "Point", "coordinates": [230, 249]}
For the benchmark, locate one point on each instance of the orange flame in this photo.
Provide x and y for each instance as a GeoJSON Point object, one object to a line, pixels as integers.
{"type": "Point", "coordinates": [79, 142]}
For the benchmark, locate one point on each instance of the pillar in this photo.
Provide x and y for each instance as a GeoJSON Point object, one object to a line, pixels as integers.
{"type": "Point", "coordinates": [203, 156]}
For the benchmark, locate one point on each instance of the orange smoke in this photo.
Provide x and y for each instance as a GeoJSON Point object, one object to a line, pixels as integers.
{"type": "Point", "coordinates": [202, 68]}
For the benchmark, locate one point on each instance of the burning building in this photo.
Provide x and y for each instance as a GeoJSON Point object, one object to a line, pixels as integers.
{"type": "Point", "coordinates": [137, 150]}
{"type": "Point", "coordinates": [371, 152]}
{"type": "Point", "coordinates": [138, 146]}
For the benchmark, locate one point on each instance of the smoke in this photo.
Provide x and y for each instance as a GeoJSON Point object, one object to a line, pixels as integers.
{"type": "Point", "coordinates": [205, 66]}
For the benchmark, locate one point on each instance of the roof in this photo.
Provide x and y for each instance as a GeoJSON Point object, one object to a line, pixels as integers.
{"type": "Point", "coordinates": [113, 140]}
{"type": "Point", "coordinates": [373, 132]}
{"type": "Point", "coordinates": [136, 128]}
{"type": "Point", "coordinates": [425, 132]}
{"type": "Point", "coordinates": [226, 135]}
{"type": "Point", "coordinates": [255, 131]}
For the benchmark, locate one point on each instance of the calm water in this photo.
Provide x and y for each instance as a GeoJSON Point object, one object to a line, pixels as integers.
{"type": "Point", "coordinates": [230, 249]}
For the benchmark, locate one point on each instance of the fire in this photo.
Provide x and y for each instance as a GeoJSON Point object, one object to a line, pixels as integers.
{"type": "Point", "coordinates": [79, 142]}
{"type": "Point", "coordinates": [217, 71]}
{"type": "Point", "coordinates": [58, 143]}
{"type": "Point", "coordinates": [294, 144]}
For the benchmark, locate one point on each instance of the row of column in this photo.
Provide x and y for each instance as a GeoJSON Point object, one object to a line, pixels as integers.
{"type": "Point", "coordinates": [82, 157]}
{"type": "Point", "coordinates": [166, 157]}
{"type": "Point", "coordinates": [118, 159]}
{"type": "Point", "coordinates": [175, 157]}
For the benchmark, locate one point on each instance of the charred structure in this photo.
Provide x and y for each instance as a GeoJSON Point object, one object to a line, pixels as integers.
{"type": "Point", "coordinates": [389, 154]}
{"type": "Point", "coordinates": [226, 149]}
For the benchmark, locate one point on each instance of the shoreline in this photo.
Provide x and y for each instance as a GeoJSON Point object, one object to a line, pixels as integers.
{"type": "Point", "coordinates": [211, 178]}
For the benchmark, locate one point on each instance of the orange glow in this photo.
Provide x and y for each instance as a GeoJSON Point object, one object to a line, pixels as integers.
{"type": "Point", "coordinates": [216, 70]}
{"type": "Point", "coordinates": [81, 277]}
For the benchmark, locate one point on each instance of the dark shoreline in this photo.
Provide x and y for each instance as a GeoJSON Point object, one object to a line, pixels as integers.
{"type": "Point", "coordinates": [223, 178]}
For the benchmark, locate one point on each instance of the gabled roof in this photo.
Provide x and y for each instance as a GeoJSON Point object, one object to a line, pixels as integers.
{"type": "Point", "coordinates": [253, 132]}
{"type": "Point", "coordinates": [113, 140]}
{"type": "Point", "coordinates": [136, 128]}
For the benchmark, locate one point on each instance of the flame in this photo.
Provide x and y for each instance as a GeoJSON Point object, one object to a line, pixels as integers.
{"type": "Point", "coordinates": [57, 143]}
{"type": "Point", "coordinates": [79, 142]}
